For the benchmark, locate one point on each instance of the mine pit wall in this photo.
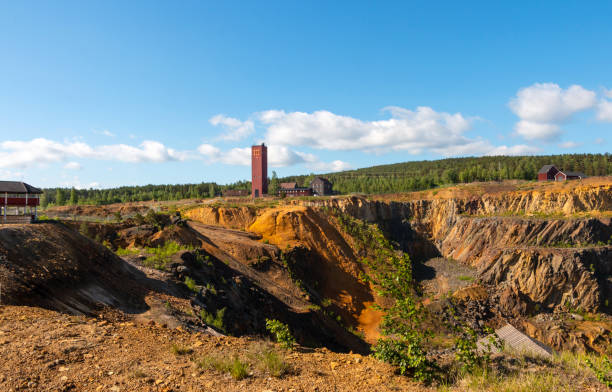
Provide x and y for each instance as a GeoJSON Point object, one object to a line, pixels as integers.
{"type": "Point", "coordinates": [549, 263]}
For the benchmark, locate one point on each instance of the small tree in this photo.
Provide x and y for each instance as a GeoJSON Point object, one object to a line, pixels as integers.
{"type": "Point", "coordinates": [44, 200]}
{"type": "Point", "coordinates": [211, 190]}
{"type": "Point", "coordinates": [59, 197]}
{"type": "Point", "coordinates": [74, 198]}
{"type": "Point", "coordinates": [273, 187]}
{"type": "Point", "coordinates": [281, 332]}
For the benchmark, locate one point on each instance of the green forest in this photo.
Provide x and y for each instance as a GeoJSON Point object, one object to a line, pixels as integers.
{"type": "Point", "coordinates": [399, 177]}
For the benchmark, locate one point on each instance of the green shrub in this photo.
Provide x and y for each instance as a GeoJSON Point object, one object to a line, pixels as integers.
{"type": "Point", "coordinates": [215, 320]}
{"type": "Point", "coordinates": [161, 255]}
{"type": "Point", "coordinates": [390, 272]}
{"type": "Point", "coordinates": [191, 284]}
{"type": "Point", "coordinates": [281, 332]}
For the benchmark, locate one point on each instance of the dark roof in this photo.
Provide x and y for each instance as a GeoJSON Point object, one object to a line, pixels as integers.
{"type": "Point", "coordinates": [17, 187]}
{"type": "Point", "coordinates": [574, 174]}
{"type": "Point", "coordinates": [546, 168]}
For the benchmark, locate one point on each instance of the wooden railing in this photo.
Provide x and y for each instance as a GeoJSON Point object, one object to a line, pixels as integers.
{"type": "Point", "coordinates": [16, 219]}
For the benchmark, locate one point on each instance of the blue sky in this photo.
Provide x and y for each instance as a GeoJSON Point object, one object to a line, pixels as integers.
{"type": "Point", "coordinates": [119, 93]}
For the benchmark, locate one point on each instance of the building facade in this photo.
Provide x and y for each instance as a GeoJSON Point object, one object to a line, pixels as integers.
{"type": "Point", "coordinates": [565, 175]}
{"type": "Point", "coordinates": [19, 202]}
{"type": "Point", "coordinates": [259, 170]}
{"type": "Point", "coordinates": [547, 173]}
{"type": "Point", "coordinates": [321, 186]}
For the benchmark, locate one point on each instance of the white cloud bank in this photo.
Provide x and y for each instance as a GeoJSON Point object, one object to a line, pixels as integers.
{"type": "Point", "coordinates": [21, 154]}
{"type": "Point", "coordinates": [542, 107]}
{"type": "Point", "coordinates": [418, 131]}
{"type": "Point", "coordinates": [235, 129]}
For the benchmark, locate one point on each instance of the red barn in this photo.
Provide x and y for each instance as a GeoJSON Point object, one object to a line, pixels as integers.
{"type": "Point", "coordinates": [547, 173]}
{"type": "Point", "coordinates": [291, 189]}
{"type": "Point", "coordinates": [259, 170]}
{"type": "Point", "coordinates": [19, 202]}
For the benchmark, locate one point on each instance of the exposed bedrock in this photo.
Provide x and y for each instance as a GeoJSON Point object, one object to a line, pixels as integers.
{"type": "Point", "coordinates": [548, 262]}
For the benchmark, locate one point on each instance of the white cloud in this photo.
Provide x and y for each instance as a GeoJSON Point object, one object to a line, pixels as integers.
{"type": "Point", "coordinates": [600, 140]}
{"type": "Point", "coordinates": [334, 166]}
{"type": "Point", "coordinates": [406, 130]}
{"type": "Point", "coordinates": [73, 166]}
{"type": "Point", "coordinates": [278, 156]}
{"type": "Point", "coordinates": [23, 154]}
{"type": "Point", "coordinates": [569, 144]}
{"type": "Point", "coordinates": [105, 132]}
{"type": "Point", "coordinates": [542, 107]}
{"type": "Point", "coordinates": [608, 93]}
{"type": "Point", "coordinates": [235, 129]}
{"type": "Point", "coordinates": [418, 131]}
{"type": "Point", "coordinates": [604, 110]}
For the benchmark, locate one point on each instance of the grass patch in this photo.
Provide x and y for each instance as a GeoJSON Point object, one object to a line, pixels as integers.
{"type": "Point", "coordinates": [180, 350]}
{"type": "Point", "coordinates": [160, 256]}
{"type": "Point", "coordinates": [465, 278]}
{"type": "Point", "coordinates": [267, 360]}
{"type": "Point", "coordinates": [234, 366]}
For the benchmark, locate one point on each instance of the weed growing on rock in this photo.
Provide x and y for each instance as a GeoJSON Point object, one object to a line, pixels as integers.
{"type": "Point", "coordinates": [281, 332]}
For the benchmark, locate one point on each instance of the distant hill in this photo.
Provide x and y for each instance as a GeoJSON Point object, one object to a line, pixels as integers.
{"type": "Point", "coordinates": [398, 177]}
{"type": "Point", "coordinates": [419, 175]}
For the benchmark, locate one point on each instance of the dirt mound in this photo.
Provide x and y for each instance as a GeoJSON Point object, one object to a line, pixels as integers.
{"type": "Point", "coordinates": [231, 217]}
{"type": "Point", "coordinates": [182, 235]}
{"type": "Point", "coordinates": [52, 266]}
{"type": "Point", "coordinates": [47, 351]}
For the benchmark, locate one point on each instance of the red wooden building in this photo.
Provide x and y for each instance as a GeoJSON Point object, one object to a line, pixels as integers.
{"type": "Point", "coordinates": [19, 202]}
{"type": "Point", "coordinates": [291, 189]}
{"type": "Point", "coordinates": [547, 173]}
{"type": "Point", "coordinates": [551, 173]}
{"type": "Point", "coordinates": [259, 170]}
{"type": "Point", "coordinates": [567, 175]}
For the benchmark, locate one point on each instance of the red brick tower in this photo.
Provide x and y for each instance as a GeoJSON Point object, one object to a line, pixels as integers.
{"type": "Point", "coordinates": [259, 170]}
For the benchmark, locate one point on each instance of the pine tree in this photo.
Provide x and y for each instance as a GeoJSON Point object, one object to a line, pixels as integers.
{"type": "Point", "coordinates": [273, 187]}
{"type": "Point", "coordinates": [74, 198]}
{"type": "Point", "coordinates": [59, 197]}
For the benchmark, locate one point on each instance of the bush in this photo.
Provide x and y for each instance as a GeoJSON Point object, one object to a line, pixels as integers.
{"type": "Point", "coordinates": [281, 332]}
{"type": "Point", "coordinates": [214, 320]}
{"type": "Point", "coordinates": [191, 284]}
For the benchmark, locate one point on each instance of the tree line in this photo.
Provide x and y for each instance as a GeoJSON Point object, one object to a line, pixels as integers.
{"type": "Point", "coordinates": [399, 177]}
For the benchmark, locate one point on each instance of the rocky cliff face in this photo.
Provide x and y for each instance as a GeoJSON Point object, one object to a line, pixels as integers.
{"type": "Point", "coordinates": [545, 255]}
{"type": "Point", "coordinates": [533, 251]}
